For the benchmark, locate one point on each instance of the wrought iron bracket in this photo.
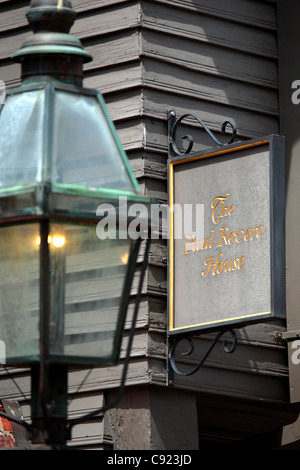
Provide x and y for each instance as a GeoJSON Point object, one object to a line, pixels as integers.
{"type": "Point", "coordinates": [173, 343]}
{"type": "Point", "coordinates": [173, 123]}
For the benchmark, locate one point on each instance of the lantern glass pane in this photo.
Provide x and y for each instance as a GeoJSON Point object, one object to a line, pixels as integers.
{"type": "Point", "coordinates": [85, 151]}
{"type": "Point", "coordinates": [87, 277]}
{"type": "Point", "coordinates": [19, 291]}
{"type": "Point", "coordinates": [21, 139]}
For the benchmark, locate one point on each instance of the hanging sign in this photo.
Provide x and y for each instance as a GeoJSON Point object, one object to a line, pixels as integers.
{"type": "Point", "coordinates": [226, 236]}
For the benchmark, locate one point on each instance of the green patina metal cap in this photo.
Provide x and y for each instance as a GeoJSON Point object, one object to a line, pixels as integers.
{"type": "Point", "coordinates": [51, 21]}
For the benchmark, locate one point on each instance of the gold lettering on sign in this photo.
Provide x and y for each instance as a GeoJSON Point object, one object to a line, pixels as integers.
{"type": "Point", "coordinates": [217, 265]}
{"type": "Point", "coordinates": [219, 208]}
{"type": "Point", "coordinates": [193, 244]}
{"type": "Point", "coordinates": [238, 235]}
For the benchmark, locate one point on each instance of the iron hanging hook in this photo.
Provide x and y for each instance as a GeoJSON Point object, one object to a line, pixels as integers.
{"type": "Point", "coordinates": [227, 348]}
{"type": "Point", "coordinates": [174, 123]}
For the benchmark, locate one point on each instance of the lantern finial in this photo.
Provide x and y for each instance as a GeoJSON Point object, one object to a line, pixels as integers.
{"type": "Point", "coordinates": [51, 15]}
{"type": "Point", "coordinates": [51, 21]}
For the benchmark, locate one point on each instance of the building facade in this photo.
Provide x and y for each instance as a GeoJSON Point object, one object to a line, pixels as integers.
{"type": "Point", "coordinates": [220, 61]}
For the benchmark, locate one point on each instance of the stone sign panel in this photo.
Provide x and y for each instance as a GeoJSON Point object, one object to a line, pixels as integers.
{"type": "Point", "coordinates": [226, 237]}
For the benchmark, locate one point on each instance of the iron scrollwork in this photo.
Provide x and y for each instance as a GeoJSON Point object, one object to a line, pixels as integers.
{"type": "Point", "coordinates": [228, 348]}
{"type": "Point", "coordinates": [173, 126]}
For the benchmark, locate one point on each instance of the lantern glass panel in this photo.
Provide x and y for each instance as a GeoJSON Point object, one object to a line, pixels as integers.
{"type": "Point", "coordinates": [86, 278]}
{"type": "Point", "coordinates": [21, 138]}
{"type": "Point", "coordinates": [88, 154]}
{"type": "Point", "coordinates": [19, 291]}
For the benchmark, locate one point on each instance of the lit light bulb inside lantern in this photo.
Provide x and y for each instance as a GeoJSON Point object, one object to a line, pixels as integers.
{"type": "Point", "coordinates": [56, 240]}
{"type": "Point", "coordinates": [124, 258]}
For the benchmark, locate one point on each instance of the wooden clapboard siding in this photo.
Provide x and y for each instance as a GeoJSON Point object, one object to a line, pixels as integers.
{"type": "Point", "coordinates": [211, 64]}
{"type": "Point", "coordinates": [217, 60]}
{"type": "Point", "coordinates": [13, 17]}
{"type": "Point", "coordinates": [218, 64]}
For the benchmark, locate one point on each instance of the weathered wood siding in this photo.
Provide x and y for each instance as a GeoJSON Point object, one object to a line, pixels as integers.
{"type": "Point", "coordinates": [212, 58]}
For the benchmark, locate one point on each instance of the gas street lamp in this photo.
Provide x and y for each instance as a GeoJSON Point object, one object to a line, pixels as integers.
{"type": "Point", "coordinates": [65, 277]}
